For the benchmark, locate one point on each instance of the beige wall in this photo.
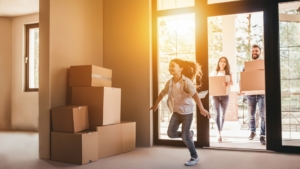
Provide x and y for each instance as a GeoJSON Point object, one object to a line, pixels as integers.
{"type": "Point", "coordinates": [24, 105]}
{"type": "Point", "coordinates": [127, 52]}
{"type": "Point", "coordinates": [71, 33]}
{"type": "Point", "coordinates": [76, 38]}
{"type": "Point", "coordinates": [5, 72]}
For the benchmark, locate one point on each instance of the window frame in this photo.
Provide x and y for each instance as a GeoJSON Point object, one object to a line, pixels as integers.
{"type": "Point", "coordinates": [26, 57]}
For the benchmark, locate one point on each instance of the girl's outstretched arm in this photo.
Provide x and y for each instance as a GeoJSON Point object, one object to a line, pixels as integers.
{"type": "Point", "coordinates": [199, 104]}
{"type": "Point", "coordinates": [161, 96]}
{"type": "Point", "coordinates": [154, 107]}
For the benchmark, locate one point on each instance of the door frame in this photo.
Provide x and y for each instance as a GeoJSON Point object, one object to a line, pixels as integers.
{"type": "Point", "coordinates": [272, 65]}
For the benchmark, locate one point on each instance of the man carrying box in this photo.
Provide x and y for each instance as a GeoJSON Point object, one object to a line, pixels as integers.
{"type": "Point", "coordinates": [258, 99]}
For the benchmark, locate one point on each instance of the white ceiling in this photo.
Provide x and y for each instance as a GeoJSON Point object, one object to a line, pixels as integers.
{"type": "Point", "coordinates": [13, 8]}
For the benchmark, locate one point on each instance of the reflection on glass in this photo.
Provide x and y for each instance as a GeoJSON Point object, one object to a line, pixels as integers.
{"type": "Point", "coordinates": [34, 58]}
{"type": "Point", "coordinates": [171, 4]}
{"type": "Point", "coordinates": [289, 32]}
{"type": "Point", "coordinates": [176, 39]}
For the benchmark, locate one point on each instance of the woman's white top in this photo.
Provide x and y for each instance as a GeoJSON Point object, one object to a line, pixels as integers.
{"type": "Point", "coordinates": [220, 73]}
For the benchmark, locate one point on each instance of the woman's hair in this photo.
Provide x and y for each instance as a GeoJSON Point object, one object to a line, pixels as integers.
{"type": "Point", "coordinates": [226, 68]}
{"type": "Point", "coordinates": [190, 69]}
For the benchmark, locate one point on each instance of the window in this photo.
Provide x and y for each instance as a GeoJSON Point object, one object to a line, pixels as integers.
{"type": "Point", "coordinates": [32, 57]}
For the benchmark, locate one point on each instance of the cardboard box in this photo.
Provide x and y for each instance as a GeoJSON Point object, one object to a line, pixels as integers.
{"type": "Point", "coordinates": [110, 140]}
{"type": "Point", "coordinates": [253, 82]}
{"type": "Point", "coordinates": [70, 119]}
{"type": "Point", "coordinates": [90, 75]}
{"type": "Point", "coordinates": [104, 104]}
{"type": "Point", "coordinates": [75, 148]}
{"type": "Point", "coordinates": [255, 65]}
{"type": "Point", "coordinates": [216, 85]}
{"type": "Point", "coordinates": [128, 136]}
{"type": "Point", "coordinates": [116, 139]}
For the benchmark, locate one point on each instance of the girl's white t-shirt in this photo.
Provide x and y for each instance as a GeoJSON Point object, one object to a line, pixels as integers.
{"type": "Point", "coordinates": [183, 102]}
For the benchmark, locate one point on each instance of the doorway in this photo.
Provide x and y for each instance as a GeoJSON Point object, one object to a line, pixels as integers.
{"type": "Point", "coordinates": [217, 33]}
{"type": "Point", "coordinates": [232, 36]}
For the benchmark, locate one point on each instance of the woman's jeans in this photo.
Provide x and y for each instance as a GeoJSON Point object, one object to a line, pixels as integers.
{"type": "Point", "coordinates": [186, 121]}
{"type": "Point", "coordinates": [220, 104]}
{"type": "Point", "coordinates": [260, 101]}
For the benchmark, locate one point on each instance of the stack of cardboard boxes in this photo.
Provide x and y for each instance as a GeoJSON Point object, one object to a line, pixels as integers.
{"type": "Point", "coordinates": [100, 119]}
{"type": "Point", "coordinates": [71, 141]}
{"type": "Point", "coordinates": [253, 78]}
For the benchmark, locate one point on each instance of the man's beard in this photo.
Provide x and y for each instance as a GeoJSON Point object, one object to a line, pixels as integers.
{"type": "Point", "coordinates": [255, 57]}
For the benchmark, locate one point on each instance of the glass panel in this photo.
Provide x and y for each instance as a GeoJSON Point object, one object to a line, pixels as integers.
{"type": "Point", "coordinates": [34, 58]}
{"type": "Point", "coordinates": [232, 36]}
{"type": "Point", "coordinates": [171, 4]}
{"type": "Point", "coordinates": [176, 39]}
{"type": "Point", "coordinates": [289, 33]}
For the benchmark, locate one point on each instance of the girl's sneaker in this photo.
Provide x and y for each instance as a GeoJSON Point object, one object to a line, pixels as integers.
{"type": "Point", "coordinates": [192, 161]}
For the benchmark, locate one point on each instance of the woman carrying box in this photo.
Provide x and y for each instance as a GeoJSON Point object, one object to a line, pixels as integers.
{"type": "Point", "coordinates": [220, 103]}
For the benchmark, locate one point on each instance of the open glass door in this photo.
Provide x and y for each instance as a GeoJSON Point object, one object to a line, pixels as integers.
{"type": "Point", "coordinates": [202, 31]}
{"type": "Point", "coordinates": [174, 36]}
{"type": "Point", "coordinates": [232, 36]}
{"type": "Point", "coordinates": [176, 39]}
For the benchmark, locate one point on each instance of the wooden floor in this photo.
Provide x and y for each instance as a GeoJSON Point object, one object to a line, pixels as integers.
{"type": "Point", "coordinates": [19, 150]}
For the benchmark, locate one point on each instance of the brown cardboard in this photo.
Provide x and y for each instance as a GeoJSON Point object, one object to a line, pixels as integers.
{"type": "Point", "coordinates": [255, 65]}
{"type": "Point", "coordinates": [75, 148]}
{"type": "Point", "coordinates": [253, 82]}
{"type": "Point", "coordinates": [104, 104]}
{"type": "Point", "coordinates": [110, 140]}
{"type": "Point", "coordinates": [128, 136]}
{"type": "Point", "coordinates": [89, 75]}
{"type": "Point", "coordinates": [216, 85]}
{"type": "Point", "coordinates": [70, 119]}
{"type": "Point", "coordinates": [116, 139]}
